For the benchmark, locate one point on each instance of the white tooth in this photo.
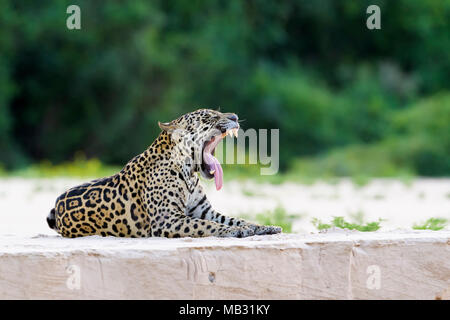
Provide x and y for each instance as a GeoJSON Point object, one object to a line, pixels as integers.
{"type": "Point", "coordinates": [235, 132]}
{"type": "Point", "coordinates": [212, 171]}
{"type": "Point", "coordinates": [230, 133]}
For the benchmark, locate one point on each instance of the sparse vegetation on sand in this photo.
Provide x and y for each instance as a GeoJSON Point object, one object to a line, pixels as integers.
{"type": "Point", "coordinates": [432, 224]}
{"type": "Point", "coordinates": [340, 222]}
{"type": "Point", "coordinates": [279, 217]}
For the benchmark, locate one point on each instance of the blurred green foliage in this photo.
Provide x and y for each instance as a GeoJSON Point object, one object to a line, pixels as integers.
{"type": "Point", "coordinates": [419, 142]}
{"type": "Point", "coordinates": [80, 167]}
{"type": "Point", "coordinates": [347, 100]}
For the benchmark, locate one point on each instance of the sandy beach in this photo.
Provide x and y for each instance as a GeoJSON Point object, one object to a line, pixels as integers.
{"type": "Point", "coordinates": [25, 203]}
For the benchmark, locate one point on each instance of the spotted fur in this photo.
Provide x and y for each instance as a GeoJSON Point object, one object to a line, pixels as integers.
{"type": "Point", "coordinates": [157, 193]}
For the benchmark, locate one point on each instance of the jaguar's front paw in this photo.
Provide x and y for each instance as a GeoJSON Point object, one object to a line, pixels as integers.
{"type": "Point", "coordinates": [246, 232]}
{"type": "Point", "coordinates": [261, 230]}
{"type": "Point", "coordinates": [239, 232]}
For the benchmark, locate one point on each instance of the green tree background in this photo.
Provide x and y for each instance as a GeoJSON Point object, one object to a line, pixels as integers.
{"type": "Point", "coordinates": [347, 100]}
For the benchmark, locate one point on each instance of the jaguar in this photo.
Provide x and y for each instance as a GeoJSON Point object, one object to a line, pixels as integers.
{"type": "Point", "coordinates": [158, 193]}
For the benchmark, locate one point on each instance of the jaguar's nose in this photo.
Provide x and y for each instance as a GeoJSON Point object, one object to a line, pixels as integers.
{"type": "Point", "coordinates": [233, 117]}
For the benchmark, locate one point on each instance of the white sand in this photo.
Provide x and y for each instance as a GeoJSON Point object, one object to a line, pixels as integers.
{"type": "Point", "coordinates": [25, 203]}
{"type": "Point", "coordinates": [400, 205]}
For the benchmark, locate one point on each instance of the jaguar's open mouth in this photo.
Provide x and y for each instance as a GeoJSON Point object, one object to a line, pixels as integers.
{"type": "Point", "coordinates": [210, 165]}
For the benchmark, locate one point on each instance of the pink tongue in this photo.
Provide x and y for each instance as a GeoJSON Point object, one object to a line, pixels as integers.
{"type": "Point", "coordinates": [215, 165]}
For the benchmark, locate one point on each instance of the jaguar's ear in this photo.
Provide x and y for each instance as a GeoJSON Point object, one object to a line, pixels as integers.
{"type": "Point", "coordinates": [169, 127]}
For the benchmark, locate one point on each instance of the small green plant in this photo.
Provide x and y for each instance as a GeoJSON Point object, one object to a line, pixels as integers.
{"type": "Point", "coordinates": [248, 193]}
{"type": "Point", "coordinates": [340, 222]}
{"type": "Point", "coordinates": [278, 217]}
{"type": "Point", "coordinates": [252, 193]}
{"type": "Point", "coordinates": [379, 196]}
{"type": "Point", "coordinates": [357, 217]}
{"type": "Point", "coordinates": [320, 225]}
{"type": "Point", "coordinates": [432, 224]}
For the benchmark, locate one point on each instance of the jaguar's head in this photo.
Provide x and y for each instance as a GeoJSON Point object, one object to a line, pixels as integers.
{"type": "Point", "coordinates": [198, 133]}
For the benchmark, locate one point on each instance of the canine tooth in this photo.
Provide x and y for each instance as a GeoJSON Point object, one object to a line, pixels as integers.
{"type": "Point", "coordinates": [212, 171]}
{"type": "Point", "coordinates": [235, 132]}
